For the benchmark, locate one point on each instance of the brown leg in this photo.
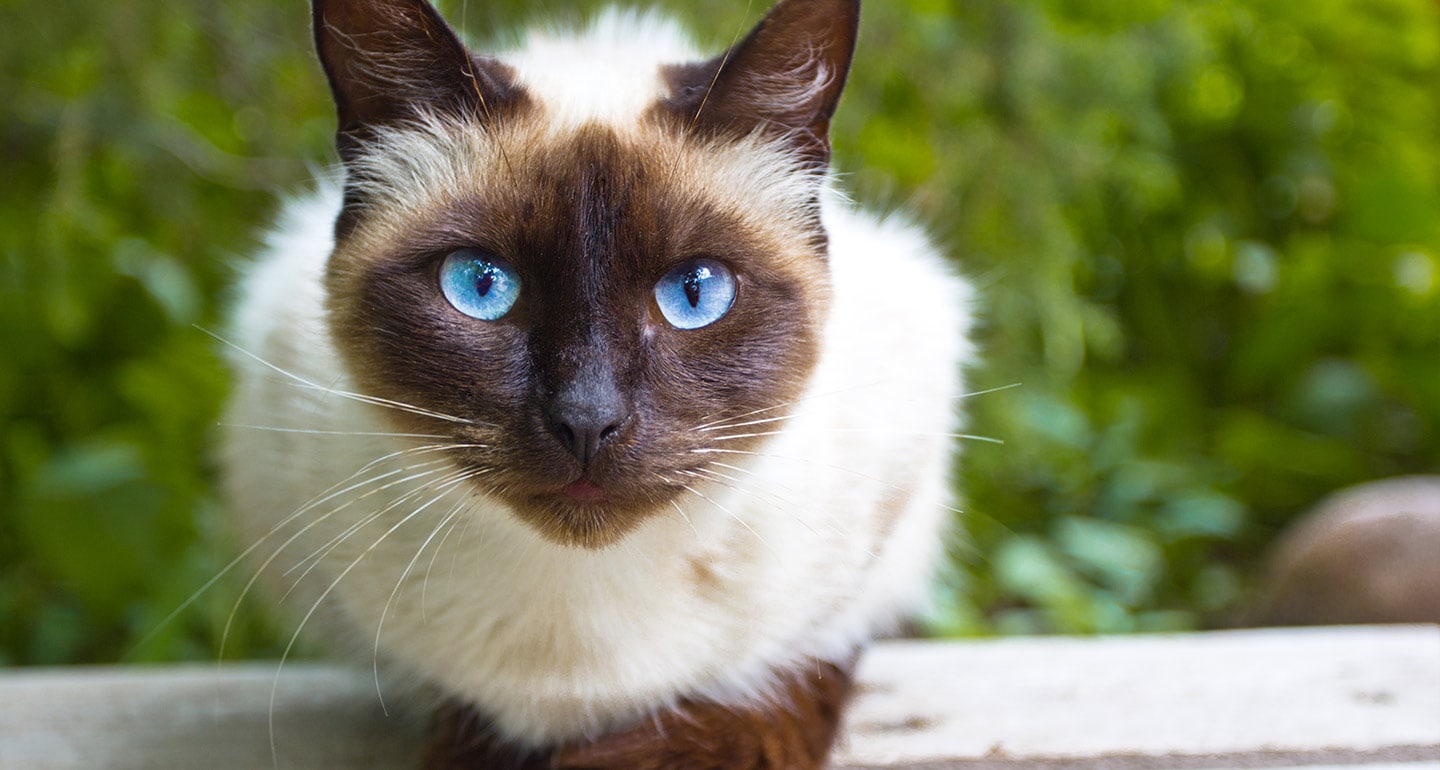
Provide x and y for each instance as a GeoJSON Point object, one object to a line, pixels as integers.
{"type": "Point", "coordinates": [793, 731]}
{"type": "Point", "coordinates": [460, 739]}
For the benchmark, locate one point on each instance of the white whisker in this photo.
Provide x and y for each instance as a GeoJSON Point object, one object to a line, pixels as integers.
{"type": "Point", "coordinates": [841, 468]}
{"type": "Point", "coordinates": [373, 400]}
{"type": "Point", "coordinates": [692, 490]}
{"type": "Point", "coordinates": [254, 578]}
{"type": "Point", "coordinates": [308, 506]}
{"type": "Point", "coordinates": [399, 500]}
{"type": "Point", "coordinates": [284, 656]}
{"type": "Point", "coordinates": [218, 576]}
{"type": "Point", "coordinates": [736, 485]}
{"type": "Point", "coordinates": [455, 519]}
{"type": "Point", "coordinates": [274, 429]}
{"type": "Point", "coordinates": [786, 404]}
{"type": "Point", "coordinates": [723, 423]}
{"type": "Point", "coordinates": [685, 516]}
{"type": "Point", "coordinates": [728, 426]}
{"type": "Point", "coordinates": [385, 611]}
{"type": "Point", "coordinates": [871, 431]}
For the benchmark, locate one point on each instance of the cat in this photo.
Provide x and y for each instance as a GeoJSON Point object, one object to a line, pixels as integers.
{"type": "Point", "coordinates": [585, 405]}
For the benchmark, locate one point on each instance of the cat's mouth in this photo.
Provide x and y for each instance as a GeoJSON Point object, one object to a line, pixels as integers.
{"type": "Point", "coordinates": [585, 491]}
{"type": "Point", "coordinates": [591, 507]}
{"type": "Point", "coordinates": [595, 498]}
{"type": "Point", "coordinates": [586, 513]}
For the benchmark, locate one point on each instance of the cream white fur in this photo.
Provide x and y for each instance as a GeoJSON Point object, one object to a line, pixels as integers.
{"type": "Point", "coordinates": [609, 73]}
{"type": "Point", "coordinates": [558, 642]}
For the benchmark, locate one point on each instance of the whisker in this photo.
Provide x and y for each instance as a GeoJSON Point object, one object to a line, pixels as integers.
{"type": "Point", "coordinates": [829, 525]}
{"type": "Point", "coordinates": [274, 429]}
{"type": "Point", "coordinates": [455, 517]}
{"type": "Point", "coordinates": [872, 431]}
{"type": "Point", "coordinates": [727, 426]}
{"type": "Point", "coordinates": [399, 500]}
{"type": "Point", "coordinates": [385, 611]}
{"type": "Point", "coordinates": [685, 516]}
{"type": "Point", "coordinates": [692, 490]}
{"type": "Point", "coordinates": [786, 404]}
{"type": "Point", "coordinates": [455, 559]}
{"type": "Point", "coordinates": [373, 400]}
{"type": "Point", "coordinates": [738, 486]}
{"type": "Point", "coordinates": [250, 584]}
{"type": "Point", "coordinates": [988, 391]}
{"type": "Point", "coordinates": [310, 505]}
{"type": "Point", "coordinates": [220, 575]}
{"type": "Point", "coordinates": [289, 647]}
{"type": "Point", "coordinates": [725, 422]}
{"type": "Point", "coordinates": [841, 468]}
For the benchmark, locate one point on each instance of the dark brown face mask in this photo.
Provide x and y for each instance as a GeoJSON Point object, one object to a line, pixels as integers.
{"type": "Point", "coordinates": [584, 398]}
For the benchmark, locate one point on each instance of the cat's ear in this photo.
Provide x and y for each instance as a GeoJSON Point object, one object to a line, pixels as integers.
{"type": "Point", "coordinates": [786, 76]}
{"type": "Point", "coordinates": [389, 59]}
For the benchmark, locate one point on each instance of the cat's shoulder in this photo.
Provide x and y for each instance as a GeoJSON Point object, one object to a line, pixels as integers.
{"type": "Point", "coordinates": [283, 285]}
{"type": "Point", "coordinates": [897, 300]}
{"type": "Point", "coordinates": [889, 256]}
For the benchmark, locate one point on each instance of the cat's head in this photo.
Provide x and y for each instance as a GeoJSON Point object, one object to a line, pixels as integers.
{"type": "Point", "coordinates": [585, 270]}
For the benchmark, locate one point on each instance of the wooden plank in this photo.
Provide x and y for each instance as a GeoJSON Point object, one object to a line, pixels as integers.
{"type": "Point", "coordinates": [1225, 699]}
{"type": "Point", "coordinates": [1235, 700]}
{"type": "Point", "coordinates": [198, 716]}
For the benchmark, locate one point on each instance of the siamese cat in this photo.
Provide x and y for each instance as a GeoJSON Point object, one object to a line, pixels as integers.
{"type": "Point", "coordinates": [585, 405]}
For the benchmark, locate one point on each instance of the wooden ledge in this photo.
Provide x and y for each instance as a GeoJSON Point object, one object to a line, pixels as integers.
{"type": "Point", "coordinates": [1315, 698]}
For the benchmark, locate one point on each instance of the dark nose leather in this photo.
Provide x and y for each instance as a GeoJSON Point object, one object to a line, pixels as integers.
{"type": "Point", "coordinates": [586, 413]}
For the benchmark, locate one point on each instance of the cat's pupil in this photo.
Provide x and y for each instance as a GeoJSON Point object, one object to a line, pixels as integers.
{"type": "Point", "coordinates": [692, 286]}
{"type": "Point", "coordinates": [486, 280]}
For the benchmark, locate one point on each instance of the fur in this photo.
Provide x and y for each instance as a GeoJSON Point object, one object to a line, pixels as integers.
{"type": "Point", "coordinates": [812, 526]}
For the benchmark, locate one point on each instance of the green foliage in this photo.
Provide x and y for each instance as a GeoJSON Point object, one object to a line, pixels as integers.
{"type": "Point", "coordinates": [1208, 237]}
{"type": "Point", "coordinates": [1205, 230]}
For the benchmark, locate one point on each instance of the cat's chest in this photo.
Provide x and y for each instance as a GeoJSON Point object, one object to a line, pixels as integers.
{"type": "Point", "coordinates": [558, 640]}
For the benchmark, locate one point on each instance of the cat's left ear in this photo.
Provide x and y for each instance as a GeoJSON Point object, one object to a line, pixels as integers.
{"type": "Point", "coordinates": [785, 77]}
{"type": "Point", "coordinates": [389, 60]}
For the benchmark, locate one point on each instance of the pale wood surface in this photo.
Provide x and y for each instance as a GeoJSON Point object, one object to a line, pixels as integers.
{"type": "Point", "coordinates": [1227, 701]}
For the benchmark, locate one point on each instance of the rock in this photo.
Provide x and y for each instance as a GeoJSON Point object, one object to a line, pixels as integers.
{"type": "Point", "coordinates": [1367, 554]}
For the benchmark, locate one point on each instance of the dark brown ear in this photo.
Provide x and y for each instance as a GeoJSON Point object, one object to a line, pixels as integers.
{"type": "Point", "coordinates": [786, 76]}
{"type": "Point", "coordinates": [388, 59]}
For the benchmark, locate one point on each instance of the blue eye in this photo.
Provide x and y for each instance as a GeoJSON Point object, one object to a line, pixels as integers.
{"type": "Point", "coordinates": [695, 294]}
{"type": "Point", "coordinates": [479, 285]}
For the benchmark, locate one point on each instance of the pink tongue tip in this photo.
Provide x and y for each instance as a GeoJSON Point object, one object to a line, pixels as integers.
{"type": "Point", "coordinates": [584, 490]}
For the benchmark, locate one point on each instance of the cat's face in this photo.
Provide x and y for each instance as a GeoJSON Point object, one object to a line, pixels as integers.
{"type": "Point", "coordinates": [587, 303]}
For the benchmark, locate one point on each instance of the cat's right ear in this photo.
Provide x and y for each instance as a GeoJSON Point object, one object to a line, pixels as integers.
{"type": "Point", "coordinates": [785, 78]}
{"type": "Point", "coordinates": [389, 60]}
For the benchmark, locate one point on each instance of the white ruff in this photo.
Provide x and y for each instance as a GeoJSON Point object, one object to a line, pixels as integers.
{"type": "Point", "coordinates": [829, 533]}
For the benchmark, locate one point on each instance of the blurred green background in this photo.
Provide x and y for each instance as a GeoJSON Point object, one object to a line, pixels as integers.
{"type": "Point", "coordinates": [1206, 231]}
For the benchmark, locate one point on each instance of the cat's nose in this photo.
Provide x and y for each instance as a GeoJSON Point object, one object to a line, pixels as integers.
{"type": "Point", "coordinates": [586, 414]}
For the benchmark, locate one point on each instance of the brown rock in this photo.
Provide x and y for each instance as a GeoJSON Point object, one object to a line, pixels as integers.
{"type": "Point", "coordinates": [1367, 554]}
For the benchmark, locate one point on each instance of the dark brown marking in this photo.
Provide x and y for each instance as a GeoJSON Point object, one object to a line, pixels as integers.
{"type": "Point", "coordinates": [703, 575]}
{"type": "Point", "coordinates": [388, 61]}
{"type": "Point", "coordinates": [386, 58]}
{"type": "Point", "coordinates": [590, 225]}
{"type": "Point", "coordinates": [794, 731]}
{"type": "Point", "coordinates": [890, 508]}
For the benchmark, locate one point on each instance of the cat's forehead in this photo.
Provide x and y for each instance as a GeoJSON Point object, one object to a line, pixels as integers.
{"type": "Point", "coordinates": [607, 72]}
{"type": "Point", "coordinates": [408, 174]}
